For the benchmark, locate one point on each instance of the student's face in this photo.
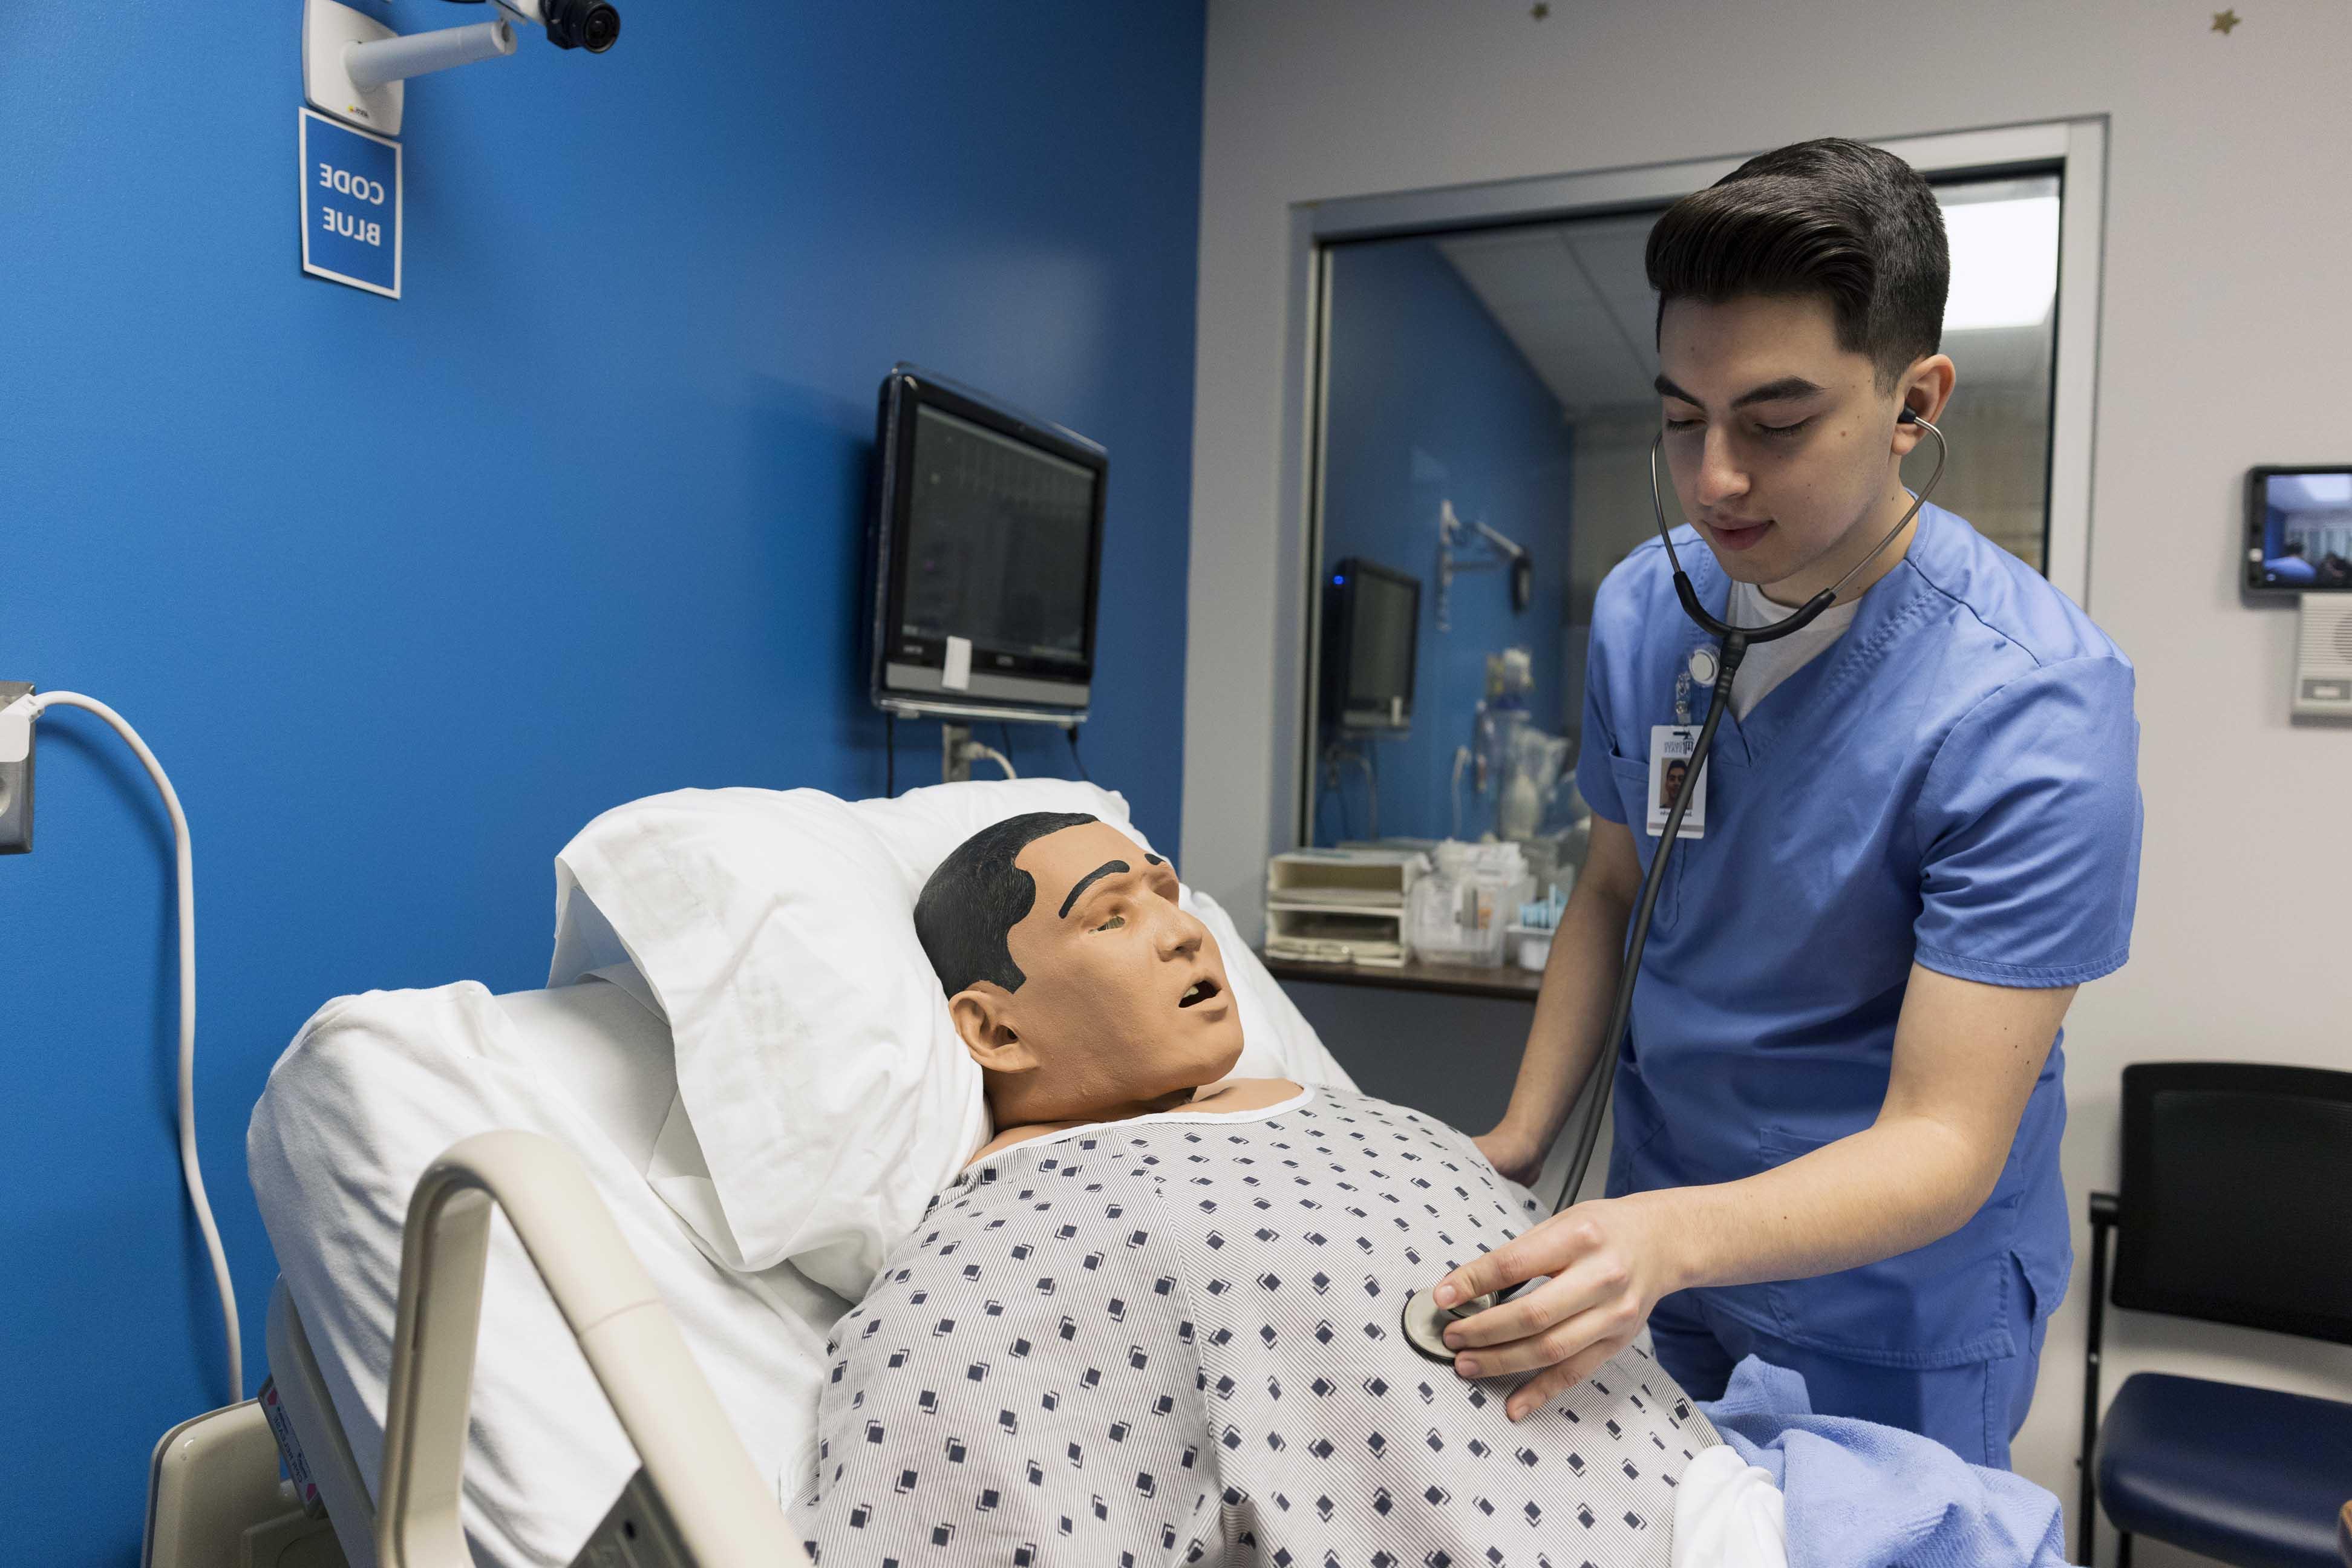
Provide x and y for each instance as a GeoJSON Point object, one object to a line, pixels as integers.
{"type": "Point", "coordinates": [1781, 442]}
{"type": "Point", "coordinates": [1123, 999]}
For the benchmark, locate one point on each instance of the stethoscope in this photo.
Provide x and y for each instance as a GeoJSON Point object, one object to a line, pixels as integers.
{"type": "Point", "coordinates": [1424, 1320]}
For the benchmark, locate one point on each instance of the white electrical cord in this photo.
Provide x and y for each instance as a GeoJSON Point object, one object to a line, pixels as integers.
{"type": "Point", "coordinates": [993, 756]}
{"type": "Point", "coordinates": [189, 1165]}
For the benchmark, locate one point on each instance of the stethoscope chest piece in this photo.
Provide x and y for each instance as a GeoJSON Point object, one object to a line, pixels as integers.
{"type": "Point", "coordinates": [1425, 1322]}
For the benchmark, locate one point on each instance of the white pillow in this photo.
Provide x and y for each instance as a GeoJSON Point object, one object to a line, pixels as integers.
{"type": "Point", "coordinates": [816, 1063]}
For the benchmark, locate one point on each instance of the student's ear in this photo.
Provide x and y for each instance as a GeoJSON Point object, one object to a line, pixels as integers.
{"type": "Point", "coordinates": [1926, 391]}
{"type": "Point", "coordinates": [979, 1013]}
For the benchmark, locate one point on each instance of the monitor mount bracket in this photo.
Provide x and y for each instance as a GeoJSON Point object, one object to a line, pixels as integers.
{"type": "Point", "coordinates": [1455, 536]}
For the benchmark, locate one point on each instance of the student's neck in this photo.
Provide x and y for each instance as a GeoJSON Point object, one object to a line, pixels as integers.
{"type": "Point", "coordinates": [1862, 538]}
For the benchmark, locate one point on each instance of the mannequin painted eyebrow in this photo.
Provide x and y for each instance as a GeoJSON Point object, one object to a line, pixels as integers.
{"type": "Point", "coordinates": [1108, 868]}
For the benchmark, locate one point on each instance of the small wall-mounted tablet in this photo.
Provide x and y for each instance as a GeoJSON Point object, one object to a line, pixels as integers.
{"type": "Point", "coordinates": [2298, 537]}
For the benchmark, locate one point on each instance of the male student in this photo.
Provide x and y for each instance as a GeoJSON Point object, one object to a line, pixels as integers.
{"type": "Point", "coordinates": [1838, 1107]}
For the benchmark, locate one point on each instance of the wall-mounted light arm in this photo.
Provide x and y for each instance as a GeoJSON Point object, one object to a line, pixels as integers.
{"type": "Point", "coordinates": [354, 66]}
{"type": "Point", "coordinates": [1451, 527]}
{"type": "Point", "coordinates": [373, 65]}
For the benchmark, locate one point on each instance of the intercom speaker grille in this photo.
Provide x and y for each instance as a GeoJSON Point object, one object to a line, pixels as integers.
{"type": "Point", "coordinates": [2327, 638]}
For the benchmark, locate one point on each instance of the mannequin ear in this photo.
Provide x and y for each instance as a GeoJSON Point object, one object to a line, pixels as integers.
{"type": "Point", "coordinates": [979, 1013]}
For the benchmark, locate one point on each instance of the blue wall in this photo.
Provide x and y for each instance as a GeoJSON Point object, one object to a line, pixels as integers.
{"type": "Point", "coordinates": [403, 592]}
{"type": "Point", "coordinates": [1427, 401]}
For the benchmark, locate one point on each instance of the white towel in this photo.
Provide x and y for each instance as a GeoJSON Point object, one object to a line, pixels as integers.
{"type": "Point", "coordinates": [1728, 1514]}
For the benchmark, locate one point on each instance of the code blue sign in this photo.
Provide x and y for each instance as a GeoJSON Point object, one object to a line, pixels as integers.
{"type": "Point", "coordinates": [350, 205]}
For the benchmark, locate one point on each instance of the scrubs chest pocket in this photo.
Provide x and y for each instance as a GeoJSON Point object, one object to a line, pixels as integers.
{"type": "Point", "coordinates": [1633, 794]}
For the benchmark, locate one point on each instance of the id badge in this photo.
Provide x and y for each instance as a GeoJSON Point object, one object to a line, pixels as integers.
{"type": "Point", "coordinates": [1671, 746]}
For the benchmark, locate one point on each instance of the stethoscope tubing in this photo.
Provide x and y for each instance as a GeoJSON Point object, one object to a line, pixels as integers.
{"type": "Point", "coordinates": [1737, 640]}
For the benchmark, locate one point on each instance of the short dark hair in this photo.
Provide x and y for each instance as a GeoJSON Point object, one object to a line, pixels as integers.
{"type": "Point", "coordinates": [976, 897]}
{"type": "Point", "coordinates": [1833, 217]}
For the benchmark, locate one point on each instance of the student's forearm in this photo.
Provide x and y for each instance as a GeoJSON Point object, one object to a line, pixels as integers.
{"type": "Point", "coordinates": [1564, 1040]}
{"type": "Point", "coordinates": [1899, 1184]}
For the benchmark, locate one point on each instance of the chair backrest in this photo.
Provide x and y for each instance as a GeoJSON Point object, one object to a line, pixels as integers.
{"type": "Point", "coordinates": [2237, 1195]}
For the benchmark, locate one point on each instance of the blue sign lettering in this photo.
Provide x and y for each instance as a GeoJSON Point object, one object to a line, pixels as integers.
{"type": "Point", "coordinates": [350, 205]}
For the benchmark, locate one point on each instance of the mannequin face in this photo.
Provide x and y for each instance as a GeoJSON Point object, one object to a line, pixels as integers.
{"type": "Point", "coordinates": [1123, 1007]}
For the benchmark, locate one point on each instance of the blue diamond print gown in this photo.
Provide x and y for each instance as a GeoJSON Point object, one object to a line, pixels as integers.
{"type": "Point", "coordinates": [1175, 1339]}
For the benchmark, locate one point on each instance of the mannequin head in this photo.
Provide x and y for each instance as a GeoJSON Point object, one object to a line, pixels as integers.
{"type": "Point", "coordinates": [1075, 981]}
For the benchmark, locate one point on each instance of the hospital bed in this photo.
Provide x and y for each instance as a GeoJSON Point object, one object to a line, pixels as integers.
{"type": "Point", "coordinates": [376, 1087]}
{"type": "Point", "coordinates": [284, 1480]}
{"type": "Point", "coordinates": [371, 1095]}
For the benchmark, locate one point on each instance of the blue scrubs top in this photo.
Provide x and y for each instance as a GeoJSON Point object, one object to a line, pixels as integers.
{"type": "Point", "coordinates": [1954, 783]}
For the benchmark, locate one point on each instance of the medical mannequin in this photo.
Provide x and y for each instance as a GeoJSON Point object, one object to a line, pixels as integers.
{"type": "Point", "coordinates": [1156, 1319]}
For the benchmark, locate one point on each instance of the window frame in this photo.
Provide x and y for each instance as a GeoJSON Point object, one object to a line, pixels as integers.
{"type": "Point", "coordinates": [2075, 149]}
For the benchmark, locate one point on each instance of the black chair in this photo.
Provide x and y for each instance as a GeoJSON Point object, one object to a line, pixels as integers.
{"type": "Point", "coordinates": [2236, 1208]}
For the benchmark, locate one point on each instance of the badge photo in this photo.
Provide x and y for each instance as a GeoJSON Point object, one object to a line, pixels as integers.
{"type": "Point", "coordinates": [1671, 746]}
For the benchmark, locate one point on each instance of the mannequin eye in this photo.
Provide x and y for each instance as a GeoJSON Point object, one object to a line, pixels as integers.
{"type": "Point", "coordinates": [1113, 923]}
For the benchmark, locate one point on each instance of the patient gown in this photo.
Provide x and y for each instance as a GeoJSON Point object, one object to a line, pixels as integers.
{"type": "Point", "coordinates": [1176, 1339]}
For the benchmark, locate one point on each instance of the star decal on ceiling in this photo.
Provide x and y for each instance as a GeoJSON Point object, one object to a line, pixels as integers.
{"type": "Point", "coordinates": [2225, 20]}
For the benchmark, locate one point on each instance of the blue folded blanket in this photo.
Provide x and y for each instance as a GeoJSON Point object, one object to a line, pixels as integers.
{"type": "Point", "coordinates": [1859, 1495]}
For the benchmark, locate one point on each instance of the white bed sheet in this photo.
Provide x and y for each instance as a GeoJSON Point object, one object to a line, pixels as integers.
{"type": "Point", "coordinates": [373, 1088]}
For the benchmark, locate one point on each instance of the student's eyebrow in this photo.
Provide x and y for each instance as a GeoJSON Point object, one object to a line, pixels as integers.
{"type": "Point", "coordinates": [1785, 387]}
{"type": "Point", "coordinates": [1108, 868]}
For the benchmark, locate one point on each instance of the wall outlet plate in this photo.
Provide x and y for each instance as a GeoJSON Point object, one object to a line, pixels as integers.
{"type": "Point", "coordinates": [328, 29]}
{"type": "Point", "coordinates": [16, 784]}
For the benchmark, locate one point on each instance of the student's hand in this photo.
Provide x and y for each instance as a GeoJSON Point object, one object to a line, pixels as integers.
{"type": "Point", "coordinates": [1515, 1155]}
{"type": "Point", "coordinates": [1608, 1264]}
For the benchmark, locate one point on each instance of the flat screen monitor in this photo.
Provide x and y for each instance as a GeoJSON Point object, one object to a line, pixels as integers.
{"type": "Point", "coordinates": [985, 555]}
{"type": "Point", "coordinates": [2299, 530]}
{"type": "Point", "coordinates": [1371, 638]}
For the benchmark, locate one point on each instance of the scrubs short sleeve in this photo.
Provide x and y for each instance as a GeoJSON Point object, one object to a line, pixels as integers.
{"type": "Point", "coordinates": [2028, 828]}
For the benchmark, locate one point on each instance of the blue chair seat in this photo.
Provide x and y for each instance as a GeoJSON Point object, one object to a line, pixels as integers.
{"type": "Point", "coordinates": [2249, 1475]}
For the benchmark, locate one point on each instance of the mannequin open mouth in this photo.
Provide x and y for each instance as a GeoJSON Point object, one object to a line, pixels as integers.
{"type": "Point", "coordinates": [1200, 991]}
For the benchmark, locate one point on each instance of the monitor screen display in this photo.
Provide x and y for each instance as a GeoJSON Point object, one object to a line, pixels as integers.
{"type": "Point", "coordinates": [983, 556]}
{"type": "Point", "coordinates": [2299, 530]}
{"type": "Point", "coordinates": [1371, 623]}
{"type": "Point", "coordinates": [1379, 665]}
{"type": "Point", "coordinates": [998, 541]}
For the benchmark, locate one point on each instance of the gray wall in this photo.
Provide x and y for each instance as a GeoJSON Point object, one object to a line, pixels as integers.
{"type": "Point", "coordinates": [1318, 98]}
{"type": "Point", "coordinates": [1453, 1057]}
